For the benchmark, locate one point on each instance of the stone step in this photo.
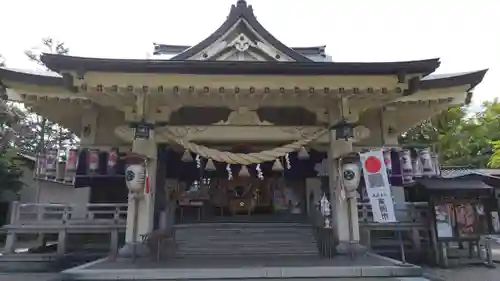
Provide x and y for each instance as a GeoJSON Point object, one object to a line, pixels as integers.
{"type": "Point", "coordinates": [245, 239]}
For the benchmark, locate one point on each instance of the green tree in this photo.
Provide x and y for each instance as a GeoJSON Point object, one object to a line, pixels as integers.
{"type": "Point", "coordinates": [10, 173]}
{"type": "Point", "coordinates": [495, 157]}
{"type": "Point", "coordinates": [460, 138]}
{"type": "Point", "coordinates": [45, 132]}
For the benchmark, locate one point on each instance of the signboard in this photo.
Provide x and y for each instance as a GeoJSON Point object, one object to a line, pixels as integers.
{"type": "Point", "coordinates": [378, 187]}
{"type": "Point", "coordinates": [443, 213]}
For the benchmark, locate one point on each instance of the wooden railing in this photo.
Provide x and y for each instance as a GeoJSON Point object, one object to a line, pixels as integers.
{"type": "Point", "coordinates": [67, 214]}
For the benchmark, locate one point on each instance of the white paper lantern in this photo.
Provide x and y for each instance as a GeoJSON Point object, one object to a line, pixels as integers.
{"type": "Point", "coordinates": [135, 177]}
{"type": "Point", "coordinates": [427, 163]}
{"type": "Point", "coordinates": [351, 175]}
{"type": "Point", "coordinates": [406, 164]}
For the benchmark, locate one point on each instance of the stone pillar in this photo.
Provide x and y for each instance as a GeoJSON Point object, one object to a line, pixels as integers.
{"type": "Point", "coordinates": [145, 206]}
{"type": "Point", "coordinates": [344, 206]}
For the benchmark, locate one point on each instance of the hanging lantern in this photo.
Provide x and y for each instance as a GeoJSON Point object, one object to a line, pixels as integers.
{"type": "Point", "coordinates": [93, 161]}
{"type": "Point", "coordinates": [277, 166]}
{"type": "Point", "coordinates": [210, 166]}
{"type": "Point", "coordinates": [244, 171]}
{"type": "Point", "coordinates": [51, 163]}
{"type": "Point", "coordinates": [388, 160]}
{"type": "Point", "coordinates": [71, 165]}
{"type": "Point", "coordinates": [416, 167]}
{"type": "Point", "coordinates": [343, 130]}
{"type": "Point", "coordinates": [112, 161]}
{"type": "Point", "coordinates": [303, 154]}
{"type": "Point", "coordinates": [135, 177]}
{"type": "Point", "coordinates": [187, 157]}
{"type": "Point", "coordinates": [325, 206]}
{"type": "Point", "coordinates": [436, 165]}
{"type": "Point", "coordinates": [41, 165]}
{"type": "Point", "coordinates": [351, 175]}
{"type": "Point", "coordinates": [427, 163]}
{"type": "Point", "coordinates": [407, 165]}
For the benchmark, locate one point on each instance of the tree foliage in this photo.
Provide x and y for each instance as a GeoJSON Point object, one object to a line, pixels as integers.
{"type": "Point", "coordinates": [2, 61]}
{"type": "Point", "coordinates": [45, 133]}
{"type": "Point", "coordinates": [10, 173]}
{"type": "Point", "coordinates": [461, 138]}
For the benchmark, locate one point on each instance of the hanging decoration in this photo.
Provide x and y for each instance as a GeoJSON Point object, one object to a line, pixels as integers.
{"type": "Point", "coordinates": [287, 161]}
{"type": "Point", "coordinates": [210, 166]}
{"type": "Point", "coordinates": [244, 158]}
{"type": "Point", "coordinates": [229, 172]}
{"type": "Point", "coordinates": [244, 172]}
{"type": "Point", "coordinates": [277, 165]}
{"type": "Point", "coordinates": [325, 208]}
{"type": "Point", "coordinates": [93, 161]}
{"type": "Point", "coordinates": [187, 157]}
{"type": "Point", "coordinates": [303, 154]}
{"type": "Point", "coordinates": [260, 175]}
{"type": "Point", "coordinates": [198, 161]}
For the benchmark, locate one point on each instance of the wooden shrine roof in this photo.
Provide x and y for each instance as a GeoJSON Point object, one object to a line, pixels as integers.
{"type": "Point", "coordinates": [60, 63]}
{"type": "Point", "coordinates": [241, 11]}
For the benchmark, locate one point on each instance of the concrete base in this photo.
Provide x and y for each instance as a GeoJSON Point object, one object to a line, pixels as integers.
{"type": "Point", "coordinates": [127, 251]}
{"type": "Point", "coordinates": [352, 248]}
{"type": "Point", "coordinates": [205, 269]}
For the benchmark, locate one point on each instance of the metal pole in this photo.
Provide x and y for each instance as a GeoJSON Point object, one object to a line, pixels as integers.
{"type": "Point", "coordinates": [134, 227]}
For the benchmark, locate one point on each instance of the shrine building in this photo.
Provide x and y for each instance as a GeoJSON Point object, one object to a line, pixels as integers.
{"type": "Point", "coordinates": [239, 128]}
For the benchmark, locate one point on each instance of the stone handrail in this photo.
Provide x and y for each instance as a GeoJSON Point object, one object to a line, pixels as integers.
{"type": "Point", "coordinates": [32, 214]}
{"type": "Point", "coordinates": [407, 212]}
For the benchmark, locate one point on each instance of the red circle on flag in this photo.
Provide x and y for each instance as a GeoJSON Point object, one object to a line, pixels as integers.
{"type": "Point", "coordinates": [373, 164]}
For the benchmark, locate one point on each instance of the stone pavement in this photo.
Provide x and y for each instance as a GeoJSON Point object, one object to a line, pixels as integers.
{"type": "Point", "coordinates": [469, 273]}
{"type": "Point", "coordinates": [29, 276]}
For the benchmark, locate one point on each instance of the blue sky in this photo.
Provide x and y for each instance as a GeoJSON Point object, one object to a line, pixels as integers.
{"type": "Point", "coordinates": [464, 33]}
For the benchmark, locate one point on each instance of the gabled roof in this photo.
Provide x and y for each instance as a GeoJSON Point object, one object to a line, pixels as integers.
{"type": "Point", "coordinates": [166, 49]}
{"type": "Point", "coordinates": [238, 12]}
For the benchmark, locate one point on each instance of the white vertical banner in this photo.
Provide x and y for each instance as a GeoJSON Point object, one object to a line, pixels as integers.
{"type": "Point", "coordinates": [378, 187]}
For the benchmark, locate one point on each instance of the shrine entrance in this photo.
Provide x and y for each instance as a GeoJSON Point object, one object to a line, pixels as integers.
{"type": "Point", "coordinates": [269, 192]}
{"type": "Point", "coordinates": [240, 199]}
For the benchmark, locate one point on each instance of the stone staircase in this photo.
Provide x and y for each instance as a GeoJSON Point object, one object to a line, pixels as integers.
{"type": "Point", "coordinates": [245, 239]}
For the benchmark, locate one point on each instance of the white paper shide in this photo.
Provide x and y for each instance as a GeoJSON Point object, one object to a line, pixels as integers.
{"type": "Point", "coordinates": [378, 187]}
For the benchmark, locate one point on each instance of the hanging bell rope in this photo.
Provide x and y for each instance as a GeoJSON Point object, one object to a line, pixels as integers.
{"type": "Point", "coordinates": [244, 158]}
